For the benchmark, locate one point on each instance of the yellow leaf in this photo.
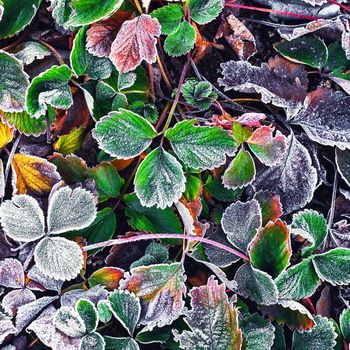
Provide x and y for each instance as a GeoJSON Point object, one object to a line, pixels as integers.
{"type": "Point", "coordinates": [6, 134]}
{"type": "Point", "coordinates": [70, 143]}
{"type": "Point", "coordinates": [33, 175]}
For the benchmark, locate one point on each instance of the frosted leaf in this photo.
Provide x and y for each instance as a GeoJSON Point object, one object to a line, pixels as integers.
{"type": "Point", "coordinates": [271, 208]}
{"type": "Point", "coordinates": [16, 298]}
{"type": "Point", "coordinates": [48, 283]}
{"type": "Point", "coordinates": [6, 328]}
{"type": "Point", "coordinates": [321, 336]}
{"type": "Point", "coordinates": [93, 341]}
{"type": "Point", "coordinates": [159, 180]}
{"type": "Point", "coordinates": [26, 313]}
{"type": "Point", "coordinates": [343, 164]}
{"type": "Point", "coordinates": [124, 134]}
{"type": "Point", "coordinates": [344, 323]}
{"type": "Point", "coordinates": [294, 179]}
{"type": "Point", "coordinates": [200, 147]}
{"type": "Point", "coordinates": [251, 119]}
{"type": "Point", "coordinates": [30, 51]}
{"type": "Point", "coordinates": [135, 42]}
{"type": "Point", "coordinates": [121, 343]}
{"type": "Point", "coordinates": [212, 320]}
{"type": "Point", "coordinates": [203, 11]}
{"type": "Point", "coordinates": [104, 312]}
{"type": "Point", "coordinates": [258, 332]}
{"type": "Point", "coordinates": [241, 222]}
{"type": "Point", "coordinates": [324, 117]}
{"type": "Point", "coordinates": [11, 273]}
{"type": "Point", "coordinates": [256, 285]}
{"type": "Point", "coordinates": [94, 294]}
{"type": "Point", "coordinates": [126, 80]}
{"type": "Point", "coordinates": [60, 11]}
{"type": "Point", "coordinates": [59, 258]}
{"type": "Point", "coordinates": [70, 210]}
{"type": "Point", "coordinates": [88, 313]}
{"type": "Point", "coordinates": [160, 289]}
{"type": "Point", "coordinates": [31, 225]}
{"type": "Point", "coordinates": [64, 342]}
{"type": "Point", "coordinates": [280, 82]}
{"type": "Point", "coordinates": [68, 321]}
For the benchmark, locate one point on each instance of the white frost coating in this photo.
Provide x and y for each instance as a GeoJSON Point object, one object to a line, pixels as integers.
{"type": "Point", "coordinates": [70, 210]}
{"type": "Point", "coordinates": [11, 273]}
{"type": "Point", "coordinates": [126, 80]}
{"type": "Point", "coordinates": [241, 222]}
{"type": "Point", "coordinates": [59, 258]}
{"type": "Point", "coordinates": [32, 223]}
{"type": "Point", "coordinates": [68, 321]}
{"type": "Point", "coordinates": [16, 298]}
{"type": "Point", "coordinates": [159, 180]}
{"type": "Point", "coordinates": [94, 294]}
{"type": "Point", "coordinates": [48, 283]}
{"type": "Point", "coordinates": [186, 218]}
{"type": "Point", "coordinates": [31, 51]}
{"type": "Point", "coordinates": [92, 341]}
{"type": "Point", "coordinates": [6, 328]}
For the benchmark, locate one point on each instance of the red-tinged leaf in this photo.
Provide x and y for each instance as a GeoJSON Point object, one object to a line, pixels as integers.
{"type": "Point", "coordinates": [270, 251]}
{"type": "Point", "coordinates": [100, 36]}
{"type": "Point", "coordinates": [270, 204]}
{"type": "Point", "coordinates": [108, 277]}
{"type": "Point", "coordinates": [11, 273]}
{"type": "Point", "coordinates": [269, 149]}
{"type": "Point", "coordinates": [136, 41]}
{"type": "Point", "coordinates": [251, 119]}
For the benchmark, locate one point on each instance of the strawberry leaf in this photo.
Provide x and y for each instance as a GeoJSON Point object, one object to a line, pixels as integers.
{"type": "Point", "coordinates": [344, 322]}
{"type": "Point", "coordinates": [169, 17]}
{"type": "Point", "coordinates": [205, 11]}
{"type": "Point", "coordinates": [92, 341]}
{"type": "Point", "coordinates": [30, 51]}
{"type": "Point", "coordinates": [88, 313]}
{"type": "Point", "coordinates": [11, 273]}
{"type": "Point", "coordinates": [271, 207]}
{"type": "Point", "coordinates": [113, 343]}
{"type": "Point", "coordinates": [69, 322]}
{"type": "Point", "coordinates": [107, 276]}
{"type": "Point", "coordinates": [61, 11]}
{"type": "Point", "coordinates": [343, 164]}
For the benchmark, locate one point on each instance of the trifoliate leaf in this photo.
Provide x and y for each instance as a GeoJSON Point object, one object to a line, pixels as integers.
{"type": "Point", "coordinates": [135, 42]}
{"type": "Point", "coordinates": [13, 83]}
{"type": "Point", "coordinates": [69, 322]}
{"type": "Point", "coordinates": [270, 251]}
{"type": "Point", "coordinates": [70, 143]}
{"type": "Point", "coordinates": [124, 134]}
{"type": "Point", "coordinates": [160, 289]}
{"type": "Point", "coordinates": [321, 336]}
{"type": "Point", "coordinates": [258, 332]}
{"type": "Point", "coordinates": [240, 172]}
{"type": "Point", "coordinates": [169, 17]}
{"type": "Point", "coordinates": [199, 94]}
{"type": "Point", "coordinates": [204, 11]}
{"type": "Point", "coordinates": [256, 285]}
{"type": "Point", "coordinates": [113, 343]}
{"type": "Point", "coordinates": [312, 226]}
{"type": "Point", "coordinates": [271, 208]}
{"type": "Point", "coordinates": [343, 164]}
{"type": "Point", "coordinates": [181, 41]}
{"type": "Point", "coordinates": [241, 222]}
{"type": "Point", "coordinates": [33, 175]}
{"type": "Point", "coordinates": [268, 149]}
{"type": "Point", "coordinates": [49, 88]}
{"type": "Point", "coordinates": [294, 179]}
{"type": "Point", "coordinates": [298, 282]}
{"type": "Point", "coordinates": [126, 308]}
{"type": "Point", "coordinates": [16, 16]}
{"type": "Point", "coordinates": [58, 258]}
{"type": "Point", "coordinates": [200, 147]}
{"type": "Point", "coordinates": [104, 312]}
{"type": "Point", "coordinates": [83, 62]}
{"type": "Point", "coordinates": [333, 266]}
{"type": "Point", "coordinates": [159, 180]}
{"type": "Point", "coordinates": [87, 12]}
{"type": "Point", "coordinates": [309, 50]}
{"type": "Point", "coordinates": [30, 227]}
{"type": "Point", "coordinates": [92, 341]}
{"type": "Point", "coordinates": [107, 276]}
{"type": "Point", "coordinates": [88, 313]}
{"type": "Point", "coordinates": [70, 210]}
{"type": "Point", "coordinates": [30, 51]}
{"type": "Point", "coordinates": [11, 273]}
{"type": "Point", "coordinates": [212, 320]}
{"type": "Point", "coordinates": [344, 322]}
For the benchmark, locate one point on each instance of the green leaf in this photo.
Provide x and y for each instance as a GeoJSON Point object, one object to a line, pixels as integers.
{"type": "Point", "coordinates": [204, 11]}
{"type": "Point", "coordinates": [13, 83]}
{"type": "Point", "coordinates": [200, 147]}
{"type": "Point", "coordinates": [30, 51]}
{"type": "Point", "coordinates": [298, 282]}
{"type": "Point", "coordinates": [270, 250]}
{"type": "Point", "coordinates": [344, 322]}
{"type": "Point", "coordinates": [160, 289]}
{"type": "Point", "coordinates": [337, 58]}
{"type": "Point", "coordinates": [124, 134]}
{"type": "Point", "coordinates": [256, 285]}
{"type": "Point", "coordinates": [49, 88]}
{"type": "Point", "coordinates": [16, 16]}
{"type": "Point", "coordinates": [88, 313]}
{"type": "Point", "coordinates": [279, 341]}
{"type": "Point", "coordinates": [83, 62]}
{"type": "Point", "coordinates": [113, 343]}
{"type": "Point", "coordinates": [104, 312]}
{"type": "Point", "coordinates": [240, 172]}
{"type": "Point", "coordinates": [333, 266]}
{"type": "Point", "coordinates": [126, 308]}
{"type": "Point", "coordinates": [212, 320]}
{"type": "Point", "coordinates": [321, 337]}
{"type": "Point", "coordinates": [61, 12]}
{"type": "Point", "coordinates": [218, 191]}
{"type": "Point", "coordinates": [70, 143]}
{"type": "Point", "coordinates": [193, 187]}
{"type": "Point", "coordinates": [240, 132]}
{"type": "Point", "coordinates": [87, 11]}
{"type": "Point", "coordinates": [150, 219]}
{"type": "Point", "coordinates": [169, 17]}
{"type": "Point", "coordinates": [310, 50]}
{"type": "Point", "coordinates": [68, 321]}
{"type": "Point", "coordinates": [159, 179]}
{"type": "Point", "coordinates": [181, 41]}
{"type": "Point", "coordinates": [155, 253]}
{"type": "Point", "coordinates": [312, 226]}
{"type": "Point", "coordinates": [92, 341]}
{"type": "Point", "coordinates": [258, 332]}
{"type": "Point", "coordinates": [271, 207]}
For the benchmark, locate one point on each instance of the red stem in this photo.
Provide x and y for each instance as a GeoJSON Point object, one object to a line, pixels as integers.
{"type": "Point", "coordinates": [346, 8]}
{"type": "Point", "coordinates": [261, 9]}
{"type": "Point", "coordinates": [345, 345]}
{"type": "Point", "coordinates": [310, 305]}
{"type": "Point", "coordinates": [149, 236]}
